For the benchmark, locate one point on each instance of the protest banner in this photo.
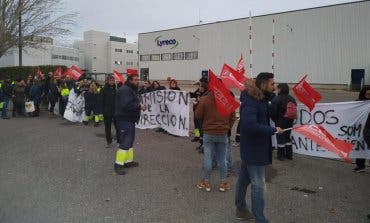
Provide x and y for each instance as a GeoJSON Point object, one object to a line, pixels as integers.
{"type": "Point", "coordinates": [343, 120]}
{"type": "Point", "coordinates": [75, 110]}
{"type": "Point", "coordinates": [167, 109]}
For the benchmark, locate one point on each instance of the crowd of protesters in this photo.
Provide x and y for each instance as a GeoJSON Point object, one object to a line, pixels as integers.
{"type": "Point", "coordinates": [119, 106]}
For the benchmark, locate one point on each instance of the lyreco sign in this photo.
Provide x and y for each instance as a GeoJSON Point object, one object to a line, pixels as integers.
{"type": "Point", "coordinates": [166, 42]}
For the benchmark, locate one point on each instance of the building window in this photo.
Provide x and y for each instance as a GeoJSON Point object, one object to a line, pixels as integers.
{"type": "Point", "coordinates": [129, 63]}
{"type": "Point", "coordinates": [94, 57]}
{"type": "Point", "coordinates": [166, 56]}
{"type": "Point", "coordinates": [178, 56]}
{"type": "Point", "coordinates": [129, 51]}
{"type": "Point", "coordinates": [155, 57]}
{"type": "Point", "coordinates": [54, 56]}
{"type": "Point", "coordinates": [191, 55]}
{"type": "Point", "coordinates": [118, 50]}
{"type": "Point", "coordinates": [118, 62]}
{"type": "Point", "coordinates": [144, 57]}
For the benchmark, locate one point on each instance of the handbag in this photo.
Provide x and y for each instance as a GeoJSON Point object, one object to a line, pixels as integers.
{"type": "Point", "coordinates": [29, 106]}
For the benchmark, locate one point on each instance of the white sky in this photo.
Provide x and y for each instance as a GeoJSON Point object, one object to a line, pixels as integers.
{"type": "Point", "coordinates": [128, 18]}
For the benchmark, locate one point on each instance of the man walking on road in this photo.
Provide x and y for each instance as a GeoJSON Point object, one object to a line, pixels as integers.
{"type": "Point", "coordinates": [127, 112]}
{"type": "Point", "coordinates": [255, 147]}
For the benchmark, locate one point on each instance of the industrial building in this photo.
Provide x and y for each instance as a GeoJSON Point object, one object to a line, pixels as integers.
{"type": "Point", "coordinates": [98, 52]}
{"type": "Point", "coordinates": [104, 53]}
{"type": "Point", "coordinates": [45, 54]}
{"type": "Point", "coordinates": [326, 43]}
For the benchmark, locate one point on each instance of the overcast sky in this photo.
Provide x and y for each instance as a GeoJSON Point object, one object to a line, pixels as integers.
{"type": "Point", "coordinates": [128, 18]}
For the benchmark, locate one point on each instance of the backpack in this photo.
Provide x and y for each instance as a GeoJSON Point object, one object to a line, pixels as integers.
{"type": "Point", "coordinates": [291, 110]}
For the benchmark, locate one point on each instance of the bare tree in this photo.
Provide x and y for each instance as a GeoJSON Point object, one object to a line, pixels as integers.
{"type": "Point", "coordinates": [32, 19]}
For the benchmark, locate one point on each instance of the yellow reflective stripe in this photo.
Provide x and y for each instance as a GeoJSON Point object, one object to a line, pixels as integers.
{"type": "Point", "coordinates": [64, 92]}
{"type": "Point", "coordinates": [101, 117]}
{"type": "Point", "coordinates": [121, 156]}
{"type": "Point", "coordinates": [196, 132]}
{"type": "Point", "coordinates": [87, 118]}
{"type": "Point", "coordinates": [130, 155]}
{"type": "Point", "coordinates": [1, 105]}
{"type": "Point", "coordinates": [96, 118]}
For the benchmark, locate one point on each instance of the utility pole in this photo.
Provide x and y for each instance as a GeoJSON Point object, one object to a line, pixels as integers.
{"type": "Point", "coordinates": [20, 32]}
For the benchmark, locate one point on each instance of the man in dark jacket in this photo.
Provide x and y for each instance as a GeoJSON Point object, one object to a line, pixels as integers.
{"type": "Point", "coordinates": [108, 101]}
{"type": "Point", "coordinates": [255, 146]}
{"type": "Point", "coordinates": [127, 112]}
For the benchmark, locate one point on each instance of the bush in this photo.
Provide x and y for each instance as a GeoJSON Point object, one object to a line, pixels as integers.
{"type": "Point", "coordinates": [14, 73]}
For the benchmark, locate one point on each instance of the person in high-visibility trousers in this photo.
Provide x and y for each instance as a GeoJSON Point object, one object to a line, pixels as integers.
{"type": "Point", "coordinates": [98, 108]}
{"type": "Point", "coordinates": [90, 102]}
{"type": "Point", "coordinates": [127, 112]}
{"type": "Point", "coordinates": [64, 92]}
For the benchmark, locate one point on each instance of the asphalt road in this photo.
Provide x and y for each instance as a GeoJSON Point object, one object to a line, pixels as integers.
{"type": "Point", "coordinates": [55, 171]}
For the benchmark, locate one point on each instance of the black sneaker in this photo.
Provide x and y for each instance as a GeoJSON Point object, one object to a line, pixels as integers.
{"type": "Point", "coordinates": [195, 139]}
{"type": "Point", "coordinates": [119, 169]}
{"type": "Point", "coordinates": [96, 124]}
{"type": "Point", "coordinates": [85, 122]}
{"type": "Point", "coordinates": [244, 215]}
{"type": "Point", "coordinates": [131, 164]}
{"type": "Point", "coordinates": [359, 169]}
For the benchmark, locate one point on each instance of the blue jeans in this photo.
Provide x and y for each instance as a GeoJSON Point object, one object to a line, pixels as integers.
{"type": "Point", "coordinates": [254, 175]}
{"type": "Point", "coordinates": [214, 144]}
{"type": "Point", "coordinates": [126, 134]}
{"type": "Point", "coordinates": [5, 107]}
{"type": "Point", "coordinates": [229, 160]}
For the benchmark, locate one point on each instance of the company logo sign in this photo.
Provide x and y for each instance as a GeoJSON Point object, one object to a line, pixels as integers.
{"type": "Point", "coordinates": [167, 42]}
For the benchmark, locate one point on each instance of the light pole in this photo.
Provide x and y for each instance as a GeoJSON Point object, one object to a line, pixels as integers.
{"type": "Point", "coordinates": [20, 32]}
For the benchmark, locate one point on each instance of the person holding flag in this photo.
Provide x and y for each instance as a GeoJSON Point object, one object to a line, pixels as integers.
{"type": "Point", "coordinates": [127, 113]}
{"type": "Point", "coordinates": [255, 147]}
{"type": "Point", "coordinates": [217, 118]}
{"type": "Point", "coordinates": [283, 111]}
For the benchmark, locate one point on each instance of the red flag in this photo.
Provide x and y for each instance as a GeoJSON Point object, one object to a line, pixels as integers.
{"type": "Point", "coordinates": [319, 135]}
{"type": "Point", "coordinates": [306, 94]}
{"type": "Point", "coordinates": [39, 73]}
{"type": "Point", "coordinates": [58, 72]}
{"type": "Point", "coordinates": [227, 71]}
{"type": "Point", "coordinates": [74, 72]}
{"type": "Point", "coordinates": [132, 71]}
{"type": "Point", "coordinates": [118, 77]}
{"type": "Point", "coordinates": [240, 66]}
{"type": "Point", "coordinates": [230, 81]}
{"type": "Point", "coordinates": [225, 102]}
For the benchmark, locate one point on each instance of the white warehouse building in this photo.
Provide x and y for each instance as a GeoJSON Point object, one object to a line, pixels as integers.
{"type": "Point", "coordinates": [104, 53]}
{"type": "Point", "coordinates": [45, 54]}
{"type": "Point", "coordinates": [325, 43]}
{"type": "Point", "coordinates": [98, 52]}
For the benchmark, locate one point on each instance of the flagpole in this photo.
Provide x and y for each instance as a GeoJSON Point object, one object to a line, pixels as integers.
{"type": "Point", "coordinates": [273, 43]}
{"type": "Point", "coordinates": [284, 130]}
{"type": "Point", "coordinates": [250, 44]}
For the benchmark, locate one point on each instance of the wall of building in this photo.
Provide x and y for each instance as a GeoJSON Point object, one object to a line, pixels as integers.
{"type": "Point", "coordinates": [48, 54]}
{"type": "Point", "coordinates": [325, 43]}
